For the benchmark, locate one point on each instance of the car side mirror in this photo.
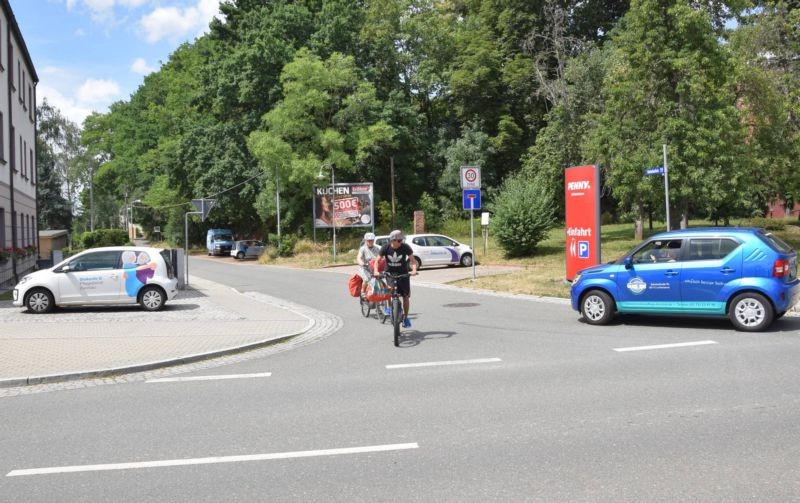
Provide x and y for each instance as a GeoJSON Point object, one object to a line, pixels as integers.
{"type": "Point", "coordinates": [628, 263]}
{"type": "Point", "coordinates": [63, 268]}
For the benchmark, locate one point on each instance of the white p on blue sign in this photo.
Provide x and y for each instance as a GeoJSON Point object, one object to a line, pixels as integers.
{"type": "Point", "coordinates": [583, 249]}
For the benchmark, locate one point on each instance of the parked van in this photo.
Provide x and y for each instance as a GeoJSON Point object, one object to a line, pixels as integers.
{"type": "Point", "coordinates": [219, 241]}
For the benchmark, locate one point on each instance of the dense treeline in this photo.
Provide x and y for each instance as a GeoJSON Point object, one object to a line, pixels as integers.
{"type": "Point", "coordinates": [523, 88]}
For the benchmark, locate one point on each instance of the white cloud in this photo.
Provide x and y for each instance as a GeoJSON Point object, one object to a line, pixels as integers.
{"type": "Point", "coordinates": [94, 91]}
{"type": "Point", "coordinates": [69, 107]}
{"type": "Point", "coordinates": [103, 10]}
{"type": "Point", "coordinates": [73, 94]}
{"type": "Point", "coordinates": [140, 66]}
{"type": "Point", "coordinates": [177, 22]}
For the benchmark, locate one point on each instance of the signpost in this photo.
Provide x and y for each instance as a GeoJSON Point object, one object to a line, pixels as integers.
{"type": "Point", "coordinates": [662, 170]}
{"type": "Point", "coordinates": [485, 228]}
{"type": "Point", "coordinates": [203, 206]}
{"type": "Point", "coordinates": [582, 191]}
{"type": "Point", "coordinates": [471, 185]}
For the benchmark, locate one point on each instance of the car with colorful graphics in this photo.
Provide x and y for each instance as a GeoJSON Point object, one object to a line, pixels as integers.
{"type": "Point", "coordinates": [746, 274]}
{"type": "Point", "coordinates": [436, 249]}
{"type": "Point", "coordinates": [109, 275]}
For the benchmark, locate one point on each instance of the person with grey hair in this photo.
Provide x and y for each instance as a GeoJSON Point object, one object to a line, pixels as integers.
{"type": "Point", "coordinates": [398, 255]}
{"type": "Point", "coordinates": [367, 252]}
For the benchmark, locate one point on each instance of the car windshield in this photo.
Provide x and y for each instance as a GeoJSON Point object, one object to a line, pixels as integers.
{"type": "Point", "coordinates": [223, 237]}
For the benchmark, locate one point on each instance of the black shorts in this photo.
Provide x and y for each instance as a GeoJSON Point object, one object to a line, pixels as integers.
{"type": "Point", "coordinates": [404, 286]}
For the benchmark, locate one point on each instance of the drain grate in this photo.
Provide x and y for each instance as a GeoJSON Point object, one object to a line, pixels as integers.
{"type": "Point", "coordinates": [462, 304]}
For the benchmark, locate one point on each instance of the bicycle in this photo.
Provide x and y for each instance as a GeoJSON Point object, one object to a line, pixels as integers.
{"type": "Point", "coordinates": [395, 303]}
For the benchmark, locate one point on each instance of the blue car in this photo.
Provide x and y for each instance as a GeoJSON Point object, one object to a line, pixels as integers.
{"type": "Point", "coordinates": [746, 274]}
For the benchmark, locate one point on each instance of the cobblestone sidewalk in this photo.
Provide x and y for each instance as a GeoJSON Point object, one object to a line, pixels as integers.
{"type": "Point", "coordinates": [205, 321]}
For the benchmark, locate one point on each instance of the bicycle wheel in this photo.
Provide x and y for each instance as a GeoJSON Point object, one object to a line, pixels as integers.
{"type": "Point", "coordinates": [365, 307]}
{"type": "Point", "coordinates": [397, 318]}
{"type": "Point", "coordinates": [380, 308]}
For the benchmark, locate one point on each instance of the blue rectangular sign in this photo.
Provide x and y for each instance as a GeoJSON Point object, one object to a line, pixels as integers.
{"type": "Point", "coordinates": [657, 170]}
{"type": "Point", "coordinates": [472, 199]}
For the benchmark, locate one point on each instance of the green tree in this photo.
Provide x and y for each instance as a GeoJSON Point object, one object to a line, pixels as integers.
{"type": "Point", "coordinates": [670, 82]}
{"type": "Point", "coordinates": [523, 213]}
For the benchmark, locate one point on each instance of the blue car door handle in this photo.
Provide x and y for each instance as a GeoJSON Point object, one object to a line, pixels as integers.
{"type": "Point", "coordinates": [726, 270]}
{"type": "Point", "coordinates": [671, 273]}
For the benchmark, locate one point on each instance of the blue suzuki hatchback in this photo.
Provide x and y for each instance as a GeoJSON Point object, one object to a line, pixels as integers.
{"type": "Point", "coordinates": [746, 274]}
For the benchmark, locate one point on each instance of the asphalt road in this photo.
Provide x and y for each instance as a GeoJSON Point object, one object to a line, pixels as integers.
{"type": "Point", "coordinates": [549, 409]}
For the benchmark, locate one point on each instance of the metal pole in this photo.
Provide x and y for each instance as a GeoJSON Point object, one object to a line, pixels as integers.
{"type": "Point", "coordinates": [391, 176]}
{"type": "Point", "coordinates": [186, 244]}
{"type": "Point", "coordinates": [278, 203]}
{"type": "Point", "coordinates": [186, 250]}
{"type": "Point", "coordinates": [666, 185]}
{"type": "Point", "coordinates": [333, 212]}
{"type": "Point", "coordinates": [472, 232]}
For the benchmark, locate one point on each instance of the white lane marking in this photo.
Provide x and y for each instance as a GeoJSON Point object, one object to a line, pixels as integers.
{"type": "Point", "coordinates": [665, 346]}
{"type": "Point", "coordinates": [211, 460]}
{"type": "Point", "coordinates": [209, 378]}
{"type": "Point", "coordinates": [433, 364]}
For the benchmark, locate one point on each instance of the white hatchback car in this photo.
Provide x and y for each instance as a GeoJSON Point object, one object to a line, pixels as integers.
{"type": "Point", "coordinates": [247, 248]}
{"type": "Point", "coordinates": [435, 249]}
{"type": "Point", "coordinates": [111, 275]}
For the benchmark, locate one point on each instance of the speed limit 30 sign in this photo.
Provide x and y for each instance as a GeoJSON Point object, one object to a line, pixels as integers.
{"type": "Point", "coordinates": [470, 177]}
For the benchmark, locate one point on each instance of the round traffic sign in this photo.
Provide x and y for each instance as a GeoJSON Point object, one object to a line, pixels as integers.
{"type": "Point", "coordinates": [471, 175]}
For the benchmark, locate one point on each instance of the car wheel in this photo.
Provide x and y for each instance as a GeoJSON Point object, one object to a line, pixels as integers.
{"type": "Point", "coordinates": [40, 301]}
{"type": "Point", "coordinates": [597, 307]}
{"type": "Point", "coordinates": [419, 262]}
{"type": "Point", "coordinates": [240, 256]}
{"type": "Point", "coordinates": [751, 312]}
{"type": "Point", "coordinates": [466, 260]}
{"type": "Point", "coordinates": [152, 298]}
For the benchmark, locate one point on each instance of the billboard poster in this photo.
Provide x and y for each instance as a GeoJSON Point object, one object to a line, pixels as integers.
{"type": "Point", "coordinates": [353, 203]}
{"type": "Point", "coordinates": [582, 186]}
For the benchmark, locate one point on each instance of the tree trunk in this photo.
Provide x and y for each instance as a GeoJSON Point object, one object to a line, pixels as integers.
{"type": "Point", "coordinates": [684, 214]}
{"type": "Point", "coordinates": [638, 233]}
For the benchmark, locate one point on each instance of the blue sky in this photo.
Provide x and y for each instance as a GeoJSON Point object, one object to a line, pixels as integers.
{"type": "Point", "coordinates": [91, 53]}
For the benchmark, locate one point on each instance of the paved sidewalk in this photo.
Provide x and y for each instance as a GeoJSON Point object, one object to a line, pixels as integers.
{"type": "Point", "coordinates": [207, 320]}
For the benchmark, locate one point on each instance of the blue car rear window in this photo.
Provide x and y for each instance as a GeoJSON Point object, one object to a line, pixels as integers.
{"type": "Point", "coordinates": [775, 242]}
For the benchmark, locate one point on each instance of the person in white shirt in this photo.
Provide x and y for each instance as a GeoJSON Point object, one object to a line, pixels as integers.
{"type": "Point", "coordinates": [367, 252]}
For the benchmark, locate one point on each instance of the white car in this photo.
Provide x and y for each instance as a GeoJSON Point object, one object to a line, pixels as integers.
{"type": "Point", "coordinates": [435, 249]}
{"type": "Point", "coordinates": [111, 275]}
{"type": "Point", "coordinates": [247, 248]}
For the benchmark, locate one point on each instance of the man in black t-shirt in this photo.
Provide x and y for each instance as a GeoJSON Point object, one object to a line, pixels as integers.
{"type": "Point", "coordinates": [398, 255]}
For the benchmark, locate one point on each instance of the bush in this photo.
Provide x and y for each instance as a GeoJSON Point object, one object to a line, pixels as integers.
{"type": "Point", "coordinates": [286, 248]}
{"type": "Point", "coordinates": [103, 237]}
{"type": "Point", "coordinates": [771, 224]}
{"type": "Point", "coordinates": [523, 213]}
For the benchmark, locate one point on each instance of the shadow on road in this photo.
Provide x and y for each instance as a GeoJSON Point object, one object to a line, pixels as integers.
{"type": "Point", "coordinates": [411, 338]}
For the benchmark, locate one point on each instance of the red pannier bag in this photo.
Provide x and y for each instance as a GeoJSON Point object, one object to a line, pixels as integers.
{"type": "Point", "coordinates": [354, 285]}
{"type": "Point", "coordinates": [381, 264]}
{"type": "Point", "coordinates": [377, 291]}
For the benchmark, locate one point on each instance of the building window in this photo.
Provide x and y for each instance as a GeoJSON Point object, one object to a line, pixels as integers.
{"type": "Point", "coordinates": [19, 81]}
{"type": "Point", "coordinates": [11, 66]}
{"type": "Point", "coordinates": [33, 169]}
{"type": "Point", "coordinates": [32, 106]}
{"type": "Point", "coordinates": [22, 92]}
{"type": "Point", "coordinates": [2, 228]}
{"type": "Point", "coordinates": [21, 232]}
{"type": "Point", "coordinates": [12, 153]}
{"type": "Point", "coordinates": [2, 68]}
{"type": "Point", "coordinates": [2, 139]}
{"type": "Point", "coordinates": [25, 160]}
{"type": "Point", "coordinates": [21, 157]}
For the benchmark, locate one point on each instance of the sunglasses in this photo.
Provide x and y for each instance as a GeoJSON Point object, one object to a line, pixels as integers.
{"type": "Point", "coordinates": [398, 240]}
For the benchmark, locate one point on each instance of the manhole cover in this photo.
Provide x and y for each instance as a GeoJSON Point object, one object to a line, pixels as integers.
{"type": "Point", "coordinates": [462, 304]}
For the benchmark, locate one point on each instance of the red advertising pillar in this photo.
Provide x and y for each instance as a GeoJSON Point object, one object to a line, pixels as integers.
{"type": "Point", "coordinates": [582, 185]}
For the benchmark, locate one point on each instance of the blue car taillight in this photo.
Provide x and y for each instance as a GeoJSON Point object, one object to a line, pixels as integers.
{"type": "Point", "coordinates": [781, 268]}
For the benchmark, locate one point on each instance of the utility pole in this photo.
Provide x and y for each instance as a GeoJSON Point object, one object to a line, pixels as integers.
{"type": "Point", "coordinates": [391, 175]}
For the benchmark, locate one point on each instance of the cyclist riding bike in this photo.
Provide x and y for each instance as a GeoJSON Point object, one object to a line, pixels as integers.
{"type": "Point", "coordinates": [398, 255]}
{"type": "Point", "coordinates": [367, 252]}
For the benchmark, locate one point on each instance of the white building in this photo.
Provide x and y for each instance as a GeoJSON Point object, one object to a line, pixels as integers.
{"type": "Point", "coordinates": [18, 202]}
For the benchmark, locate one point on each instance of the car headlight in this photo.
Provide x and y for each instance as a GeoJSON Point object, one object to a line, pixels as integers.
{"type": "Point", "coordinates": [576, 279]}
{"type": "Point", "coordinates": [24, 280]}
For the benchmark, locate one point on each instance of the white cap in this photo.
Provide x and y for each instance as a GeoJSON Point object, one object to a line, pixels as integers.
{"type": "Point", "coordinates": [396, 234]}
{"type": "Point", "coordinates": [369, 237]}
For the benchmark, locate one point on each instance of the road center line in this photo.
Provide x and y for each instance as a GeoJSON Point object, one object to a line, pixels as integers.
{"type": "Point", "coordinates": [211, 460]}
{"type": "Point", "coordinates": [209, 378]}
{"type": "Point", "coordinates": [665, 346]}
{"type": "Point", "coordinates": [434, 364]}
